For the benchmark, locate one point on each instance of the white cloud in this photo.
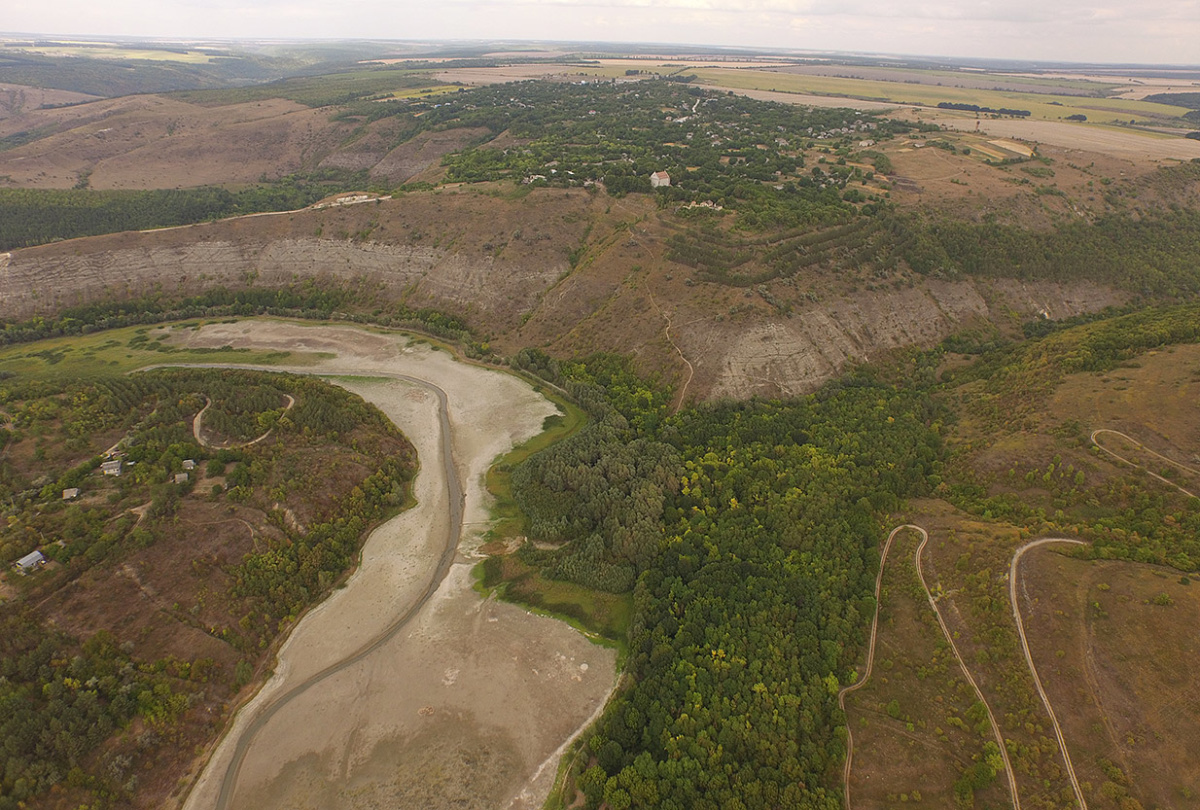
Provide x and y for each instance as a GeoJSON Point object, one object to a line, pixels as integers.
{"type": "Point", "coordinates": [1069, 30]}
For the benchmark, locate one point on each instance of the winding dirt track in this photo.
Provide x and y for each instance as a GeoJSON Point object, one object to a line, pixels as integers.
{"type": "Point", "coordinates": [1013, 570]}
{"type": "Point", "coordinates": [859, 684]}
{"type": "Point", "coordinates": [1013, 575]}
{"type": "Point", "coordinates": [1131, 440]}
{"type": "Point", "coordinates": [1008, 769]}
{"type": "Point", "coordinates": [682, 396]}
{"type": "Point", "coordinates": [200, 440]}
{"type": "Point", "coordinates": [455, 498]}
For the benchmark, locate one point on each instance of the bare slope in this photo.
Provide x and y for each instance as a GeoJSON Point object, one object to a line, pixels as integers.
{"type": "Point", "coordinates": [152, 141]}
{"type": "Point", "coordinates": [503, 261]}
{"type": "Point", "coordinates": [160, 142]}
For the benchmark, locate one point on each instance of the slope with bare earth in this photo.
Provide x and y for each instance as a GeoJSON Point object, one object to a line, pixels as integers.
{"type": "Point", "coordinates": [1111, 639]}
{"type": "Point", "coordinates": [913, 736]}
{"type": "Point", "coordinates": [500, 260]}
{"type": "Point", "coordinates": [16, 99]}
{"type": "Point", "coordinates": [1152, 399]}
{"type": "Point", "coordinates": [468, 704]}
{"type": "Point", "coordinates": [965, 566]}
{"type": "Point", "coordinates": [1110, 643]}
{"type": "Point", "coordinates": [466, 253]}
{"type": "Point", "coordinates": [412, 159]}
{"type": "Point", "coordinates": [161, 142]}
{"type": "Point", "coordinates": [154, 141]}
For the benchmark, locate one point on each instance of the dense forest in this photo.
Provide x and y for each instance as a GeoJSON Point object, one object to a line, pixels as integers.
{"type": "Point", "coordinates": [83, 655]}
{"type": "Point", "coordinates": [305, 300]}
{"type": "Point", "coordinates": [748, 533]}
{"type": "Point", "coordinates": [36, 216]}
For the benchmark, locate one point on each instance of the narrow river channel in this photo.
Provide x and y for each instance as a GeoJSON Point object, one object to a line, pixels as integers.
{"type": "Point", "coordinates": [405, 688]}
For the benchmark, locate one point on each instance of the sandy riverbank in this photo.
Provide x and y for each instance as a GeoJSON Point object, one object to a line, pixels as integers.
{"type": "Point", "coordinates": [470, 699]}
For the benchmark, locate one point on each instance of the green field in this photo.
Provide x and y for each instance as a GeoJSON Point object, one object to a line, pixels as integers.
{"type": "Point", "coordinates": [1050, 83]}
{"type": "Point", "coordinates": [327, 90]}
{"type": "Point", "coordinates": [102, 51]}
{"type": "Point", "coordinates": [119, 351]}
{"type": "Point", "coordinates": [606, 616]}
{"type": "Point", "coordinates": [1100, 110]}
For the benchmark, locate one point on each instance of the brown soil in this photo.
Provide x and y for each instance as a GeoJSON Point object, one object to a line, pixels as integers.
{"type": "Point", "coordinates": [966, 565]}
{"type": "Point", "coordinates": [166, 598]}
{"type": "Point", "coordinates": [370, 145]}
{"type": "Point", "coordinates": [929, 743]}
{"type": "Point", "coordinates": [500, 261]}
{"type": "Point", "coordinates": [1153, 399]}
{"type": "Point", "coordinates": [140, 142]}
{"type": "Point", "coordinates": [410, 160]}
{"type": "Point", "coordinates": [474, 699]}
{"type": "Point", "coordinates": [1111, 644]}
{"type": "Point", "coordinates": [16, 99]}
{"type": "Point", "coordinates": [1128, 144]}
{"type": "Point", "coordinates": [160, 142]}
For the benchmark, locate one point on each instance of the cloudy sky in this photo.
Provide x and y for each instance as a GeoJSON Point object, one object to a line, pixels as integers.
{"type": "Point", "coordinates": [1147, 31]}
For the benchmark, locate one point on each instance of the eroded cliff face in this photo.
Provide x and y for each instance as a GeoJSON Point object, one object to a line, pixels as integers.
{"type": "Point", "coordinates": [796, 354]}
{"type": "Point", "coordinates": [32, 285]}
{"type": "Point", "coordinates": [502, 264]}
{"type": "Point", "coordinates": [465, 253]}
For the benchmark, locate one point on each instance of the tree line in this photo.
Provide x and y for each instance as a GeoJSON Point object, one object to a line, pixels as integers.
{"type": "Point", "coordinates": [31, 217]}
{"type": "Point", "coordinates": [748, 533]}
{"type": "Point", "coordinates": [336, 463]}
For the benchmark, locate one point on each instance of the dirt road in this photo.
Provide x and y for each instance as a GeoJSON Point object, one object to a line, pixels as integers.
{"type": "Point", "coordinates": [197, 432]}
{"type": "Point", "coordinates": [1012, 784]}
{"type": "Point", "coordinates": [1095, 440]}
{"type": "Point", "coordinates": [861, 682]}
{"type": "Point", "coordinates": [962, 665]}
{"type": "Point", "coordinates": [1013, 571]}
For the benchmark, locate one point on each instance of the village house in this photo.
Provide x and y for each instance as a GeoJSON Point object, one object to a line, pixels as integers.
{"type": "Point", "coordinates": [660, 180]}
{"type": "Point", "coordinates": [111, 467]}
{"type": "Point", "coordinates": [70, 493]}
{"type": "Point", "coordinates": [181, 478]}
{"type": "Point", "coordinates": [32, 560]}
{"type": "Point", "coordinates": [189, 464]}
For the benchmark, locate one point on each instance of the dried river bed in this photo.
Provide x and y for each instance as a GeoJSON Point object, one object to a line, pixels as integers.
{"type": "Point", "coordinates": [470, 703]}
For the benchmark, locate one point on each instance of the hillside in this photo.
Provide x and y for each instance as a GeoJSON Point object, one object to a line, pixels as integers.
{"type": "Point", "coordinates": [791, 242]}
{"type": "Point", "coordinates": [511, 279]}
{"type": "Point", "coordinates": [833, 322]}
{"type": "Point", "coordinates": [168, 578]}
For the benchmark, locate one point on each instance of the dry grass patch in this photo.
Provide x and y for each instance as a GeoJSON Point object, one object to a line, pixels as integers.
{"type": "Point", "coordinates": [915, 731]}
{"type": "Point", "coordinates": [1116, 648]}
{"type": "Point", "coordinates": [1152, 399]}
{"type": "Point", "coordinates": [966, 567]}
